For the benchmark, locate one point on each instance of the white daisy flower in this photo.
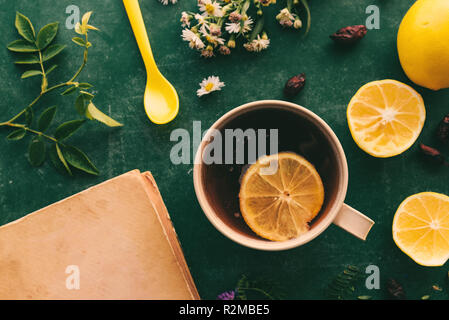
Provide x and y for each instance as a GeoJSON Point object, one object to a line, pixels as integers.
{"type": "Point", "coordinates": [248, 46]}
{"type": "Point", "coordinates": [185, 19]}
{"type": "Point", "coordinates": [236, 27]}
{"type": "Point", "coordinates": [194, 41]}
{"type": "Point", "coordinates": [209, 85]}
{"type": "Point", "coordinates": [215, 40]}
{"type": "Point", "coordinates": [233, 27]}
{"type": "Point", "coordinates": [165, 2]}
{"type": "Point", "coordinates": [201, 20]}
{"type": "Point", "coordinates": [285, 18]}
{"type": "Point", "coordinates": [297, 24]}
{"type": "Point", "coordinates": [210, 8]}
{"type": "Point", "coordinates": [258, 44]}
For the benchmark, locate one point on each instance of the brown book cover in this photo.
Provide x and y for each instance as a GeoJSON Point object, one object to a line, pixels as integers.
{"type": "Point", "coordinates": [112, 241]}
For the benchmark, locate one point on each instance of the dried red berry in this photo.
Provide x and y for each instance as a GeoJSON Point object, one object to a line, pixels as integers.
{"type": "Point", "coordinates": [432, 153]}
{"type": "Point", "coordinates": [395, 289]}
{"type": "Point", "coordinates": [294, 85]}
{"type": "Point", "coordinates": [443, 129]}
{"type": "Point", "coordinates": [349, 34]}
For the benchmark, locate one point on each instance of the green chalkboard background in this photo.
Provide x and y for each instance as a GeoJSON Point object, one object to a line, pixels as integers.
{"type": "Point", "coordinates": [376, 186]}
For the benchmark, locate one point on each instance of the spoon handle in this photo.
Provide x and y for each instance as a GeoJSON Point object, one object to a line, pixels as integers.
{"type": "Point", "coordinates": [138, 25]}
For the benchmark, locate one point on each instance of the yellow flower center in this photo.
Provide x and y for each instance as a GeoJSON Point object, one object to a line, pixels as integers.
{"type": "Point", "coordinates": [210, 8]}
{"type": "Point", "coordinates": [209, 86]}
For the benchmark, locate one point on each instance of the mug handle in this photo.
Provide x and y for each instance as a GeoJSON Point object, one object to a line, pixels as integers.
{"type": "Point", "coordinates": [354, 222]}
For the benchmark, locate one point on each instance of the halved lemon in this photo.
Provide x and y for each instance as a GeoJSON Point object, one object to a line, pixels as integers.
{"type": "Point", "coordinates": [386, 117]}
{"type": "Point", "coordinates": [421, 228]}
{"type": "Point", "coordinates": [279, 195]}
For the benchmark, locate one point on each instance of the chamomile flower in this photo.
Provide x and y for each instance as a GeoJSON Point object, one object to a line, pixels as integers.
{"type": "Point", "coordinates": [213, 39]}
{"type": "Point", "coordinates": [209, 85]}
{"type": "Point", "coordinates": [297, 24]}
{"type": "Point", "coordinates": [235, 16]}
{"type": "Point", "coordinates": [285, 18]}
{"type": "Point", "coordinates": [237, 27]}
{"type": "Point", "coordinates": [210, 8]}
{"type": "Point", "coordinates": [194, 40]}
{"type": "Point", "coordinates": [201, 19]}
{"type": "Point", "coordinates": [233, 27]}
{"type": "Point", "coordinates": [258, 44]}
{"type": "Point", "coordinates": [165, 2]}
{"type": "Point", "coordinates": [185, 19]}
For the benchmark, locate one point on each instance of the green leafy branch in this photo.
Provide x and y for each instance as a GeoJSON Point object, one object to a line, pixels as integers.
{"type": "Point", "coordinates": [257, 289]}
{"type": "Point", "coordinates": [39, 50]}
{"type": "Point", "coordinates": [343, 286]}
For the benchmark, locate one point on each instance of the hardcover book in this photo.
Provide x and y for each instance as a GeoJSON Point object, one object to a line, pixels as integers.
{"type": "Point", "coordinates": [112, 241]}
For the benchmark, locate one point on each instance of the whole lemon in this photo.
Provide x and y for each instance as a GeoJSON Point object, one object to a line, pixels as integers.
{"type": "Point", "coordinates": [423, 43]}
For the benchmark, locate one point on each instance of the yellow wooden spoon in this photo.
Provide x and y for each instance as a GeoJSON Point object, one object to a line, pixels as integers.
{"type": "Point", "coordinates": [161, 100]}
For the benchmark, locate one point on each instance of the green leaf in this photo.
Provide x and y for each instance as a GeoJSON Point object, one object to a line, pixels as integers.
{"type": "Point", "coordinates": [66, 129]}
{"type": "Point", "coordinates": [46, 35]}
{"type": "Point", "coordinates": [88, 96]}
{"type": "Point", "coordinates": [82, 102]}
{"type": "Point", "coordinates": [79, 41]}
{"type": "Point", "coordinates": [257, 29]}
{"type": "Point", "coordinates": [51, 69]}
{"type": "Point", "coordinates": [78, 159]}
{"type": "Point", "coordinates": [309, 16]}
{"type": "Point", "coordinates": [31, 73]}
{"type": "Point", "coordinates": [62, 159]}
{"type": "Point", "coordinates": [85, 85]}
{"type": "Point", "coordinates": [81, 105]}
{"type": "Point", "coordinates": [36, 152]}
{"type": "Point", "coordinates": [93, 113]}
{"type": "Point", "coordinates": [364, 297]}
{"type": "Point", "coordinates": [58, 160]}
{"type": "Point", "coordinates": [69, 91]}
{"type": "Point", "coordinates": [46, 118]}
{"type": "Point", "coordinates": [52, 51]}
{"type": "Point", "coordinates": [25, 27]}
{"type": "Point", "coordinates": [32, 59]}
{"type": "Point", "coordinates": [22, 46]}
{"type": "Point", "coordinates": [29, 117]}
{"type": "Point", "coordinates": [17, 134]}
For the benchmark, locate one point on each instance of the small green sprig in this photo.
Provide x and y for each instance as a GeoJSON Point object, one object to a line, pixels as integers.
{"type": "Point", "coordinates": [38, 49]}
{"type": "Point", "coordinates": [257, 289]}
{"type": "Point", "coordinates": [343, 286]}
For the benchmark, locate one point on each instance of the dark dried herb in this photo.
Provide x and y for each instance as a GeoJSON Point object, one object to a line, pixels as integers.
{"type": "Point", "coordinates": [247, 289]}
{"type": "Point", "coordinates": [349, 35]}
{"type": "Point", "coordinates": [395, 290]}
{"type": "Point", "coordinates": [294, 85]}
{"type": "Point", "coordinates": [343, 286]}
{"type": "Point", "coordinates": [443, 129]}
{"type": "Point", "coordinates": [432, 154]}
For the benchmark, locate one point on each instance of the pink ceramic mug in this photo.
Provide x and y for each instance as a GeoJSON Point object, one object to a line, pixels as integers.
{"type": "Point", "coordinates": [300, 131]}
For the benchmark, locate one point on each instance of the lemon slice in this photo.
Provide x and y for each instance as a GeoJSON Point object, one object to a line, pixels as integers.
{"type": "Point", "coordinates": [279, 205]}
{"type": "Point", "coordinates": [421, 228]}
{"type": "Point", "coordinates": [386, 117]}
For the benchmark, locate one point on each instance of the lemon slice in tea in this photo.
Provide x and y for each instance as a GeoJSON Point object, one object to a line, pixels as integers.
{"type": "Point", "coordinates": [279, 205]}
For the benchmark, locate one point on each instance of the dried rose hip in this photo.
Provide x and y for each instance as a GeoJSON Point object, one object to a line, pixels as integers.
{"type": "Point", "coordinates": [432, 153]}
{"type": "Point", "coordinates": [443, 129]}
{"type": "Point", "coordinates": [294, 85]}
{"type": "Point", "coordinates": [395, 289]}
{"type": "Point", "coordinates": [349, 34]}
